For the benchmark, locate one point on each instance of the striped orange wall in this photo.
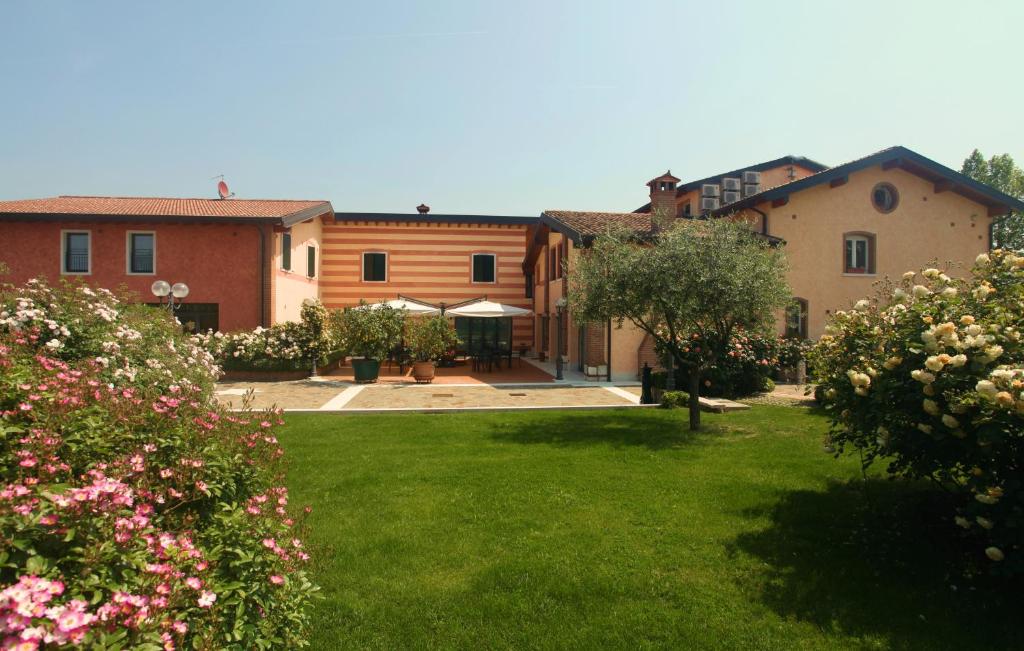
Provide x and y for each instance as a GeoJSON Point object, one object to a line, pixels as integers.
{"type": "Point", "coordinates": [428, 261]}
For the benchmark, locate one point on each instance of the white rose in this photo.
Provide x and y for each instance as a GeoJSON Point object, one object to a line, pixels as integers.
{"type": "Point", "coordinates": [994, 553]}
{"type": "Point", "coordinates": [982, 260]}
{"type": "Point", "coordinates": [920, 291]}
{"type": "Point", "coordinates": [931, 407]}
{"type": "Point", "coordinates": [950, 422]}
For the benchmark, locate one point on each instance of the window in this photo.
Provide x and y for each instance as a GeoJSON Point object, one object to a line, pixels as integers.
{"type": "Point", "coordinates": [529, 285]}
{"type": "Point", "coordinates": [375, 267]}
{"type": "Point", "coordinates": [796, 319]}
{"type": "Point", "coordinates": [483, 267]}
{"type": "Point", "coordinates": [687, 210]}
{"type": "Point", "coordinates": [884, 197]}
{"type": "Point", "coordinates": [75, 258]}
{"type": "Point", "coordinates": [859, 253]}
{"type": "Point", "coordinates": [311, 261]}
{"type": "Point", "coordinates": [286, 251]}
{"type": "Point", "coordinates": [141, 253]}
{"type": "Point", "coordinates": [195, 317]}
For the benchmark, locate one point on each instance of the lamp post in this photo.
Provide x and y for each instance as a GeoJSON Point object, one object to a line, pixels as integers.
{"type": "Point", "coordinates": [164, 290]}
{"type": "Point", "coordinates": [560, 311]}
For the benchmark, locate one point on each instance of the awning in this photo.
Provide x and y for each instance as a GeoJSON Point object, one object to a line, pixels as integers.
{"type": "Point", "coordinates": [413, 308]}
{"type": "Point", "coordinates": [488, 310]}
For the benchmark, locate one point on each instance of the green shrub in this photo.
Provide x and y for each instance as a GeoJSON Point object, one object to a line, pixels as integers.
{"type": "Point", "coordinates": [675, 400]}
{"type": "Point", "coordinates": [429, 338]}
{"type": "Point", "coordinates": [769, 385]}
{"type": "Point", "coordinates": [370, 332]}
{"type": "Point", "coordinates": [751, 359]}
{"type": "Point", "coordinates": [929, 376]}
{"type": "Point", "coordinates": [135, 511]}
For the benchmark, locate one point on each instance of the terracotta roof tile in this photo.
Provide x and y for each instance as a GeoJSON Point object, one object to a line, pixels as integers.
{"type": "Point", "coordinates": [160, 206]}
{"type": "Point", "coordinates": [594, 223]}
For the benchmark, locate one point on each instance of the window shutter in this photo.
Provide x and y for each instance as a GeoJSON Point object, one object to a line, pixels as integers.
{"type": "Point", "coordinates": [311, 261]}
{"type": "Point", "coordinates": [286, 251]}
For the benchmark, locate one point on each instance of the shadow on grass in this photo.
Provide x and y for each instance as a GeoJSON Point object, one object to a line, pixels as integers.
{"type": "Point", "coordinates": [878, 559]}
{"type": "Point", "coordinates": [656, 430]}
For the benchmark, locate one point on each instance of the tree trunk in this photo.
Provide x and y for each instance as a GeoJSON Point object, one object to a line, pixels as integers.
{"type": "Point", "coordinates": [694, 398]}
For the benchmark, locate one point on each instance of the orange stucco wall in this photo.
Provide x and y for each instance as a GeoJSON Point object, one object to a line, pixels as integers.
{"type": "Point", "coordinates": [926, 227]}
{"type": "Point", "coordinates": [219, 263]}
{"type": "Point", "coordinates": [431, 261]}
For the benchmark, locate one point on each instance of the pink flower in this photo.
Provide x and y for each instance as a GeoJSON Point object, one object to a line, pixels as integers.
{"type": "Point", "coordinates": [276, 579]}
{"type": "Point", "coordinates": [193, 583]}
{"type": "Point", "coordinates": [206, 599]}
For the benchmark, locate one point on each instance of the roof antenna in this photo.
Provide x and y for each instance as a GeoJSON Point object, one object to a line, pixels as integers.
{"type": "Point", "coordinates": [222, 187]}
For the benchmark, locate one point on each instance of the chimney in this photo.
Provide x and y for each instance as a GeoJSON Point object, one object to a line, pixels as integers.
{"type": "Point", "coordinates": [423, 209]}
{"type": "Point", "coordinates": [663, 195]}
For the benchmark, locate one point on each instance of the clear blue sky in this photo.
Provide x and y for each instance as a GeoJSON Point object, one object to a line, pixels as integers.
{"type": "Point", "coordinates": [481, 107]}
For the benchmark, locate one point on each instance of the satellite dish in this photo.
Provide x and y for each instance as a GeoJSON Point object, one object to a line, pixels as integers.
{"type": "Point", "coordinates": [222, 190]}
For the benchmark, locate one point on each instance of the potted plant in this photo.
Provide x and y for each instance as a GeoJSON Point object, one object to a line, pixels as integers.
{"type": "Point", "coordinates": [428, 339]}
{"type": "Point", "coordinates": [369, 335]}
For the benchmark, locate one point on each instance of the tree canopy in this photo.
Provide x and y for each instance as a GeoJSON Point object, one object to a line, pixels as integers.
{"type": "Point", "coordinates": [690, 277]}
{"type": "Point", "coordinates": [1001, 173]}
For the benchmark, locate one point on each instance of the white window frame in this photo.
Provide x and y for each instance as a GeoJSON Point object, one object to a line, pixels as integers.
{"type": "Point", "coordinates": [63, 252]}
{"type": "Point", "coordinates": [867, 254]}
{"type": "Point", "coordinates": [472, 269]}
{"type": "Point", "coordinates": [128, 253]}
{"type": "Point", "coordinates": [362, 267]}
{"type": "Point", "coordinates": [316, 261]}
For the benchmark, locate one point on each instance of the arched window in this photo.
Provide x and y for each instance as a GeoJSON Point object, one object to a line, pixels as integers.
{"type": "Point", "coordinates": [859, 253]}
{"type": "Point", "coordinates": [796, 319]}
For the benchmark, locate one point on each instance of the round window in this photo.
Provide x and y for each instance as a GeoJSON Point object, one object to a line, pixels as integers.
{"type": "Point", "coordinates": [884, 197]}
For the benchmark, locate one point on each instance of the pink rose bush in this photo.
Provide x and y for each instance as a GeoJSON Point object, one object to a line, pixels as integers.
{"type": "Point", "coordinates": [929, 376]}
{"type": "Point", "coordinates": [133, 508]}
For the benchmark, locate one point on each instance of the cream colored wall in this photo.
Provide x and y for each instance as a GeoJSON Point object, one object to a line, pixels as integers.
{"type": "Point", "coordinates": [625, 345]}
{"type": "Point", "coordinates": [292, 287]}
{"type": "Point", "coordinates": [924, 227]}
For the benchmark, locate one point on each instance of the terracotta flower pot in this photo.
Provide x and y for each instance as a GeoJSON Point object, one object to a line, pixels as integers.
{"type": "Point", "coordinates": [423, 372]}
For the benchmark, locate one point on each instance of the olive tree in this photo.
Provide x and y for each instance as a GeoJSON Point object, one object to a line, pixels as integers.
{"type": "Point", "coordinates": [687, 277]}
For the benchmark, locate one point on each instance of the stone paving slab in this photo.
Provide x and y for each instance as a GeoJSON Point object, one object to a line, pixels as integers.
{"type": "Point", "coordinates": [296, 394]}
{"type": "Point", "coordinates": [448, 397]}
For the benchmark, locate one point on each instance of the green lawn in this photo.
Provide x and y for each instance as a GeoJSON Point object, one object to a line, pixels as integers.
{"type": "Point", "coordinates": [619, 529]}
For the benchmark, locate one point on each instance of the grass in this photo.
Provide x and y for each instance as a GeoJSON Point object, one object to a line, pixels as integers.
{"type": "Point", "coordinates": [620, 529]}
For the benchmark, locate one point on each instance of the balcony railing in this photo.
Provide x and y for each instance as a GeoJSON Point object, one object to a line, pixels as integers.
{"type": "Point", "coordinates": [142, 262]}
{"type": "Point", "coordinates": [76, 262]}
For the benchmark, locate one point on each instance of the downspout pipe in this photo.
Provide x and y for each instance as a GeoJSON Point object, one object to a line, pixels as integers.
{"type": "Point", "coordinates": [608, 366]}
{"type": "Point", "coordinates": [260, 278]}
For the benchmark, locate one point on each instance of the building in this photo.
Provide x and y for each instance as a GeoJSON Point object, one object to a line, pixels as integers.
{"type": "Point", "coordinates": [843, 228]}
{"type": "Point", "coordinates": [222, 249]}
{"type": "Point", "coordinates": [435, 258]}
{"type": "Point", "coordinates": [253, 262]}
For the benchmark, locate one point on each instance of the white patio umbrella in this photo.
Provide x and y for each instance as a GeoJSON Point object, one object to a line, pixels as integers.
{"type": "Point", "coordinates": [414, 309]}
{"type": "Point", "coordinates": [487, 309]}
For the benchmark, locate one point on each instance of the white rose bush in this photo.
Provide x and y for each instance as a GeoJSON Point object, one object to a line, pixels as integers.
{"type": "Point", "coordinates": [929, 376]}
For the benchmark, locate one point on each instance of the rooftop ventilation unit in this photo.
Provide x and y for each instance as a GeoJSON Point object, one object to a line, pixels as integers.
{"type": "Point", "coordinates": [709, 190]}
{"type": "Point", "coordinates": [730, 196]}
{"type": "Point", "coordinates": [753, 178]}
{"type": "Point", "coordinates": [709, 203]}
{"type": "Point", "coordinates": [731, 184]}
{"type": "Point", "coordinates": [750, 189]}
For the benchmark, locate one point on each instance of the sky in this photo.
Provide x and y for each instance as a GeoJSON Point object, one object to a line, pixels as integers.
{"type": "Point", "coordinates": [477, 107]}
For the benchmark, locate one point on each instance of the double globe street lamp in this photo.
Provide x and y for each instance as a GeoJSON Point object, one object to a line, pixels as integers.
{"type": "Point", "coordinates": [173, 294]}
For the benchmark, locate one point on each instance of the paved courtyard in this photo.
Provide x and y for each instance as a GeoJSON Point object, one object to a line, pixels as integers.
{"type": "Point", "coordinates": [331, 393]}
